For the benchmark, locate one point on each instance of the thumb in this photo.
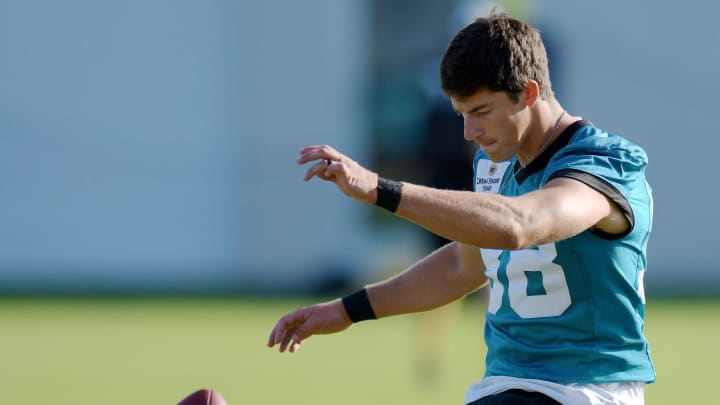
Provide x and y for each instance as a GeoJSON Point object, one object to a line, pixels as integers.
{"type": "Point", "coordinates": [308, 328]}
{"type": "Point", "coordinates": [296, 342]}
{"type": "Point", "coordinates": [302, 332]}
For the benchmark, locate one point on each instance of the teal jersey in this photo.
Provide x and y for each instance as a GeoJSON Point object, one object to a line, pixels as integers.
{"type": "Point", "coordinates": [572, 311]}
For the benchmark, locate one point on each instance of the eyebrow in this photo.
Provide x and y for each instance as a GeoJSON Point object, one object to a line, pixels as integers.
{"type": "Point", "coordinates": [479, 107]}
{"type": "Point", "coordinates": [474, 109]}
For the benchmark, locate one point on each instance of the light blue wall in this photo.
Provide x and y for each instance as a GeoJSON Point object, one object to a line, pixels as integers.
{"type": "Point", "coordinates": [148, 144]}
{"type": "Point", "coordinates": [151, 144]}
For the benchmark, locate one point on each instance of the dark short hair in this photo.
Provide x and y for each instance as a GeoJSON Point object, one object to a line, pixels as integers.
{"type": "Point", "coordinates": [497, 53]}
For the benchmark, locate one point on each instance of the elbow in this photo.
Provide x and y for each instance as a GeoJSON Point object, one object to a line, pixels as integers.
{"type": "Point", "coordinates": [513, 236]}
{"type": "Point", "coordinates": [527, 233]}
{"type": "Point", "coordinates": [511, 229]}
{"type": "Point", "coordinates": [524, 228]}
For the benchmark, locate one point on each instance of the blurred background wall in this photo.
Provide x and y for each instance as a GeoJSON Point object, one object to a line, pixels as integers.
{"type": "Point", "coordinates": [149, 146]}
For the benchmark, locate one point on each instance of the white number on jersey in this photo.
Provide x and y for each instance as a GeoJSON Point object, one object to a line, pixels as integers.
{"type": "Point", "coordinates": [555, 296]}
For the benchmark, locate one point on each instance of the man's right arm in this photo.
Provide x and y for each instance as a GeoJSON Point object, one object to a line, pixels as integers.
{"type": "Point", "coordinates": [445, 275]}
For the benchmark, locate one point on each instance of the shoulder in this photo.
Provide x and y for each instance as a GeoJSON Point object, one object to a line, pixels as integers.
{"type": "Point", "coordinates": [593, 141]}
{"type": "Point", "coordinates": [600, 153]}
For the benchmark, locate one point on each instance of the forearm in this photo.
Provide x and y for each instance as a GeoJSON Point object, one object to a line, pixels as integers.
{"type": "Point", "coordinates": [436, 280]}
{"type": "Point", "coordinates": [486, 220]}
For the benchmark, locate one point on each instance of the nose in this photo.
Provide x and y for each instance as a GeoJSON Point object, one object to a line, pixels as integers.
{"type": "Point", "coordinates": [471, 129]}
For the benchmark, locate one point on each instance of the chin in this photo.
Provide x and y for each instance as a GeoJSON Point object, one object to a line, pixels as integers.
{"type": "Point", "coordinates": [498, 158]}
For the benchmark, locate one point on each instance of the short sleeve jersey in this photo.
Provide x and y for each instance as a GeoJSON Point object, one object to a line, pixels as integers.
{"type": "Point", "coordinates": [572, 311]}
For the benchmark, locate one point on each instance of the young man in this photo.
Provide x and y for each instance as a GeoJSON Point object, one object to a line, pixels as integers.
{"type": "Point", "coordinates": [558, 224]}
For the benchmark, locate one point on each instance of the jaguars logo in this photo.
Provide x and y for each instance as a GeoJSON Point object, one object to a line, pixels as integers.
{"type": "Point", "coordinates": [492, 169]}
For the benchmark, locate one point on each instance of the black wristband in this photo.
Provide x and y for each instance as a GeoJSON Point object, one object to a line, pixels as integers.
{"type": "Point", "coordinates": [388, 194]}
{"type": "Point", "coordinates": [357, 305]}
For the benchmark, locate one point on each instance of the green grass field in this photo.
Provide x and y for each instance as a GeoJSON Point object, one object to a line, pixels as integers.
{"type": "Point", "coordinates": [155, 351]}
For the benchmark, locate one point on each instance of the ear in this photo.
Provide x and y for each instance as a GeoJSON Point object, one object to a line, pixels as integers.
{"type": "Point", "coordinates": [531, 93]}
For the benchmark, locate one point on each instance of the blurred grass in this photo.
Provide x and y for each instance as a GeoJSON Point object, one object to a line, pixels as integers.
{"type": "Point", "coordinates": [157, 350]}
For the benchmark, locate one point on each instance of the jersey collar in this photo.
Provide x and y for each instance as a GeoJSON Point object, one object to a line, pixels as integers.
{"type": "Point", "coordinates": [540, 162]}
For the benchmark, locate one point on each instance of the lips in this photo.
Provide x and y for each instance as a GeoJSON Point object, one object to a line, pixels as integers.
{"type": "Point", "coordinates": [486, 145]}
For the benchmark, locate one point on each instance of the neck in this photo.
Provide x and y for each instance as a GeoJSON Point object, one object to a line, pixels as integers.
{"type": "Point", "coordinates": [549, 121]}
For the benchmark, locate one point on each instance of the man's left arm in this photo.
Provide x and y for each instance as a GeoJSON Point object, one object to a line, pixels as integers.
{"type": "Point", "coordinates": [563, 208]}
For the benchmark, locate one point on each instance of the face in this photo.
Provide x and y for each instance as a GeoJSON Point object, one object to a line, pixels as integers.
{"type": "Point", "coordinates": [495, 122]}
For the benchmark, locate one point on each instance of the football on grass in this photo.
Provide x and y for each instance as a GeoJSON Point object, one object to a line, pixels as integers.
{"type": "Point", "coordinates": [204, 397]}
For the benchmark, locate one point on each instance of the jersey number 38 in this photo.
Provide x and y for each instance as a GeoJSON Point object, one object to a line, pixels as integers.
{"type": "Point", "coordinates": [536, 287]}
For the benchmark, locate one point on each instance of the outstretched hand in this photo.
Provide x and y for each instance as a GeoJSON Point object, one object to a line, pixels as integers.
{"type": "Point", "coordinates": [319, 319]}
{"type": "Point", "coordinates": [351, 178]}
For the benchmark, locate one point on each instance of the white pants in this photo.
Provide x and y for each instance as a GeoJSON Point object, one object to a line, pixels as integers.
{"type": "Point", "coordinates": [631, 393]}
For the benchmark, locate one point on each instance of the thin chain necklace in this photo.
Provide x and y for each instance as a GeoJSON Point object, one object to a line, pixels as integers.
{"type": "Point", "coordinates": [537, 153]}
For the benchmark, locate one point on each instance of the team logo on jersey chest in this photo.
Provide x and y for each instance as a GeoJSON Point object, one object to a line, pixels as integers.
{"type": "Point", "coordinates": [493, 168]}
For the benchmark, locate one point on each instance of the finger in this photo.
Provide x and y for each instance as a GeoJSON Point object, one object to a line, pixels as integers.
{"type": "Point", "coordinates": [285, 323]}
{"type": "Point", "coordinates": [318, 169]}
{"type": "Point", "coordinates": [294, 338]}
{"type": "Point", "coordinates": [282, 337]}
{"type": "Point", "coordinates": [294, 347]}
{"type": "Point", "coordinates": [311, 147]}
{"type": "Point", "coordinates": [332, 169]}
{"type": "Point", "coordinates": [316, 149]}
{"type": "Point", "coordinates": [277, 333]}
{"type": "Point", "coordinates": [318, 152]}
{"type": "Point", "coordinates": [271, 338]}
{"type": "Point", "coordinates": [285, 341]}
{"type": "Point", "coordinates": [284, 330]}
{"type": "Point", "coordinates": [303, 332]}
